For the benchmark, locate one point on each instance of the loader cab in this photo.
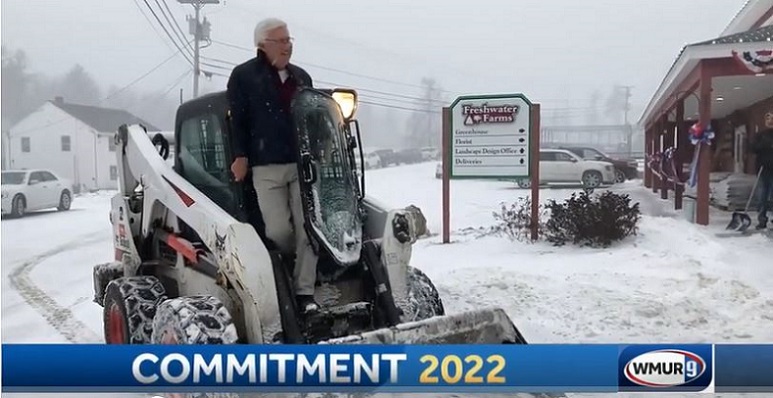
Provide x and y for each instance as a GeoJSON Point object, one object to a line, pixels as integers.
{"type": "Point", "coordinates": [329, 144]}
{"type": "Point", "coordinates": [203, 156]}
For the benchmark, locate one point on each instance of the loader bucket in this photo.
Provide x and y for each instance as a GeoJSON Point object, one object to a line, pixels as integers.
{"type": "Point", "coordinates": [486, 326]}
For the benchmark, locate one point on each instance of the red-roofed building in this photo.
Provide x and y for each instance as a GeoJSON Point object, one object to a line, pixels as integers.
{"type": "Point", "coordinates": [727, 83]}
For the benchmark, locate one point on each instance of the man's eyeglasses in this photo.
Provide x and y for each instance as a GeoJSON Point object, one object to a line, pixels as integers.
{"type": "Point", "coordinates": [285, 40]}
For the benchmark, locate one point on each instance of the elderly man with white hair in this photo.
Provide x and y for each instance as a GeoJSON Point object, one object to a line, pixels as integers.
{"type": "Point", "coordinates": [260, 92]}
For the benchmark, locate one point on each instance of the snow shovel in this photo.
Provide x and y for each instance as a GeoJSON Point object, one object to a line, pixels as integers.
{"type": "Point", "coordinates": [741, 220]}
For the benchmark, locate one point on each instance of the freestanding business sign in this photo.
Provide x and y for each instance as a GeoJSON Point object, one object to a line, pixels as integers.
{"type": "Point", "coordinates": [490, 136]}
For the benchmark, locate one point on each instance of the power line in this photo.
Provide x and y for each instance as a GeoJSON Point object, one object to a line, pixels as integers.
{"type": "Point", "coordinates": [176, 82]}
{"type": "Point", "coordinates": [141, 77]}
{"type": "Point", "coordinates": [337, 70]}
{"type": "Point", "coordinates": [365, 101]}
{"type": "Point", "coordinates": [152, 25]}
{"type": "Point", "coordinates": [238, 47]}
{"type": "Point", "coordinates": [439, 102]}
{"type": "Point", "coordinates": [216, 66]}
{"type": "Point", "coordinates": [378, 100]}
{"type": "Point", "coordinates": [170, 19]}
{"type": "Point", "coordinates": [398, 107]}
{"type": "Point", "coordinates": [373, 98]}
{"type": "Point", "coordinates": [381, 51]}
{"type": "Point", "coordinates": [167, 32]}
{"type": "Point", "coordinates": [102, 100]}
{"type": "Point", "coordinates": [219, 60]}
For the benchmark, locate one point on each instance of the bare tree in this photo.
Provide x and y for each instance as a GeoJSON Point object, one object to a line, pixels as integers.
{"type": "Point", "coordinates": [425, 123]}
{"type": "Point", "coordinates": [24, 91]}
{"type": "Point", "coordinates": [79, 87]}
{"type": "Point", "coordinates": [617, 104]}
{"type": "Point", "coordinates": [17, 84]}
{"type": "Point", "coordinates": [157, 107]}
{"type": "Point", "coordinates": [592, 116]}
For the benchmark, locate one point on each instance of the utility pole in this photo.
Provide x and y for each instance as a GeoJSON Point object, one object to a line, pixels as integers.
{"type": "Point", "coordinates": [627, 101]}
{"type": "Point", "coordinates": [628, 127]}
{"type": "Point", "coordinates": [200, 31]}
{"type": "Point", "coordinates": [7, 150]}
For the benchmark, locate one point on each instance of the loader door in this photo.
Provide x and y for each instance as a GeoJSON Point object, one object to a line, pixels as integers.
{"type": "Point", "coordinates": [201, 158]}
{"type": "Point", "coordinates": [327, 176]}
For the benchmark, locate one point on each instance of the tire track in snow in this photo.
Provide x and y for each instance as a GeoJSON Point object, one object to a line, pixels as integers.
{"type": "Point", "coordinates": [61, 318]}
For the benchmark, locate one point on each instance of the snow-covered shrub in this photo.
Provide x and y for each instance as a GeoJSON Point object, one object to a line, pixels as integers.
{"type": "Point", "coordinates": [587, 221]}
{"type": "Point", "coordinates": [514, 220]}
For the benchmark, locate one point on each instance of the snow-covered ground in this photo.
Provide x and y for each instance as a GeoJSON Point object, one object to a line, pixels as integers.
{"type": "Point", "coordinates": [673, 282]}
{"type": "Point", "coordinates": [46, 266]}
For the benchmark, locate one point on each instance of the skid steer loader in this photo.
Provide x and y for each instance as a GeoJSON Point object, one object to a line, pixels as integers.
{"type": "Point", "coordinates": [193, 265]}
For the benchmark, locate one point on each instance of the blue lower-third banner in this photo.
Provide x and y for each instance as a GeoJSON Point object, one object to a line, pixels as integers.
{"type": "Point", "coordinates": [377, 368]}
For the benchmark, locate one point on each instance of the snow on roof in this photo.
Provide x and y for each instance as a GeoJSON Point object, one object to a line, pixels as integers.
{"type": "Point", "coordinates": [101, 119]}
{"type": "Point", "coordinates": [751, 12]}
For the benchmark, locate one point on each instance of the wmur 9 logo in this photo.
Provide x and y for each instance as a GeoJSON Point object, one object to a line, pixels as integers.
{"type": "Point", "coordinates": [665, 368]}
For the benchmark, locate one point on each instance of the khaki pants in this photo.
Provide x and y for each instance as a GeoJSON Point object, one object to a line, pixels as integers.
{"type": "Point", "coordinates": [279, 197]}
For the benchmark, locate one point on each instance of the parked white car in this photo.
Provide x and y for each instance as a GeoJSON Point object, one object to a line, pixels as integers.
{"type": "Point", "coordinates": [372, 160]}
{"type": "Point", "coordinates": [430, 153]}
{"type": "Point", "coordinates": [562, 166]}
{"type": "Point", "coordinates": [31, 190]}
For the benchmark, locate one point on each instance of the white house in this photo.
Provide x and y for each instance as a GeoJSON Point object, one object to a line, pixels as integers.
{"type": "Point", "coordinates": [75, 141]}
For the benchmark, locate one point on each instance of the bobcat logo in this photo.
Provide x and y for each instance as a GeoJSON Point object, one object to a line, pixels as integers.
{"type": "Point", "coordinates": [219, 242]}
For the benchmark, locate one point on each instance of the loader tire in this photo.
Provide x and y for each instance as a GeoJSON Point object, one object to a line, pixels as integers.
{"type": "Point", "coordinates": [193, 320]}
{"type": "Point", "coordinates": [129, 307]}
{"type": "Point", "coordinates": [423, 298]}
{"type": "Point", "coordinates": [103, 274]}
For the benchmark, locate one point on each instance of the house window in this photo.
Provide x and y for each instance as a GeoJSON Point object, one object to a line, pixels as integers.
{"type": "Point", "coordinates": [25, 144]}
{"type": "Point", "coordinates": [113, 173]}
{"type": "Point", "coordinates": [65, 143]}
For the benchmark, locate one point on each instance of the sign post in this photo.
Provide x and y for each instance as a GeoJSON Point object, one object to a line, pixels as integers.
{"type": "Point", "coordinates": [490, 137]}
{"type": "Point", "coordinates": [446, 174]}
{"type": "Point", "coordinates": [534, 161]}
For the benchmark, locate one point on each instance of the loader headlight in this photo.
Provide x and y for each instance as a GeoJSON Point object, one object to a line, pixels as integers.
{"type": "Point", "coordinates": [347, 100]}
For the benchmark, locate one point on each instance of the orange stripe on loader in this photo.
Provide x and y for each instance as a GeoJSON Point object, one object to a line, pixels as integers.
{"type": "Point", "coordinates": [183, 247]}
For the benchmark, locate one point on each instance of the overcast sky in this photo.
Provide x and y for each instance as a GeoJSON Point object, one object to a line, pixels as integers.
{"type": "Point", "coordinates": [555, 51]}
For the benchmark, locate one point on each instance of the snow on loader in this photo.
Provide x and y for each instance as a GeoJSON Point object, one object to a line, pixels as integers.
{"type": "Point", "coordinates": [193, 265]}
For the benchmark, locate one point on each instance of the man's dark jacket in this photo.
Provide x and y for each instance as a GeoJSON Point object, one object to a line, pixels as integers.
{"type": "Point", "coordinates": [762, 146]}
{"type": "Point", "coordinates": [262, 124]}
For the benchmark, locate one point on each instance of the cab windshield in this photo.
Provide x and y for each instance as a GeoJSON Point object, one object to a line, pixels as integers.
{"type": "Point", "coordinates": [333, 199]}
